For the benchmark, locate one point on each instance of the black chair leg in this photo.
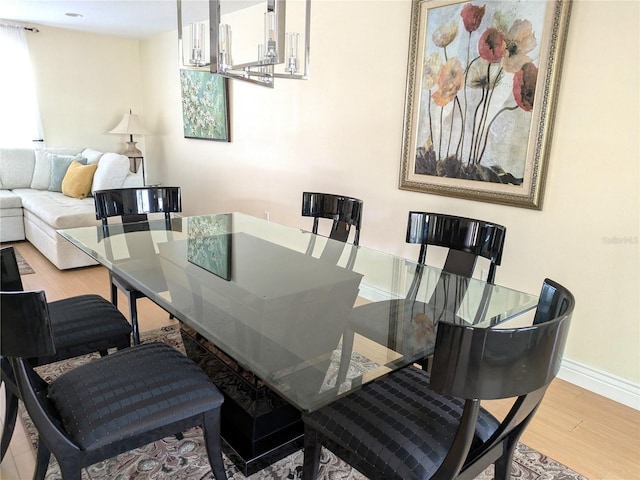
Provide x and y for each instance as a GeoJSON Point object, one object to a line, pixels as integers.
{"type": "Point", "coordinates": [312, 450]}
{"type": "Point", "coordinates": [213, 443]}
{"type": "Point", "coordinates": [503, 464]}
{"type": "Point", "coordinates": [114, 294]}
{"type": "Point", "coordinates": [425, 364]}
{"type": "Point", "coordinates": [70, 469]}
{"type": "Point", "coordinates": [42, 461]}
{"type": "Point", "coordinates": [11, 413]}
{"type": "Point", "coordinates": [133, 310]}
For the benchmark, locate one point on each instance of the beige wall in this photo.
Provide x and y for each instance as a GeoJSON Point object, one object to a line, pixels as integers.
{"type": "Point", "coordinates": [85, 83]}
{"type": "Point", "coordinates": [341, 132]}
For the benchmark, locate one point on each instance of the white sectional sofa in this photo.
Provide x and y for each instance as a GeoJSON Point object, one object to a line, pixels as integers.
{"type": "Point", "coordinates": [32, 208]}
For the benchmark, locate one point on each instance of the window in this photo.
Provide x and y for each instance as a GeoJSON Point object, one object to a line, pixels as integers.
{"type": "Point", "coordinates": [20, 124]}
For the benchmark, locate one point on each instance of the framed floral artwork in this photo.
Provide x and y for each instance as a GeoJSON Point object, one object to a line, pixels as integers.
{"type": "Point", "coordinates": [205, 105]}
{"type": "Point", "coordinates": [482, 83]}
{"type": "Point", "coordinates": [209, 243]}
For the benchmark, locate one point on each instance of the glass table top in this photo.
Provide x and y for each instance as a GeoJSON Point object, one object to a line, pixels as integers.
{"type": "Point", "coordinates": [280, 300]}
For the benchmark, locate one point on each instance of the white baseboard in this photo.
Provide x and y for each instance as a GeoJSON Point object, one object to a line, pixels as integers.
{"type": "Point", "coordinates": [611, 386]}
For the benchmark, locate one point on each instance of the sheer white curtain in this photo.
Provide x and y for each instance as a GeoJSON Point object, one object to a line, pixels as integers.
{"type": "Point", "coordinates": [20, 124]}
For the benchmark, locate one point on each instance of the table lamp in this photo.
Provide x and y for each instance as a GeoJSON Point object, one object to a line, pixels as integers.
{"type": "Point", "coordinates": [131, 125]}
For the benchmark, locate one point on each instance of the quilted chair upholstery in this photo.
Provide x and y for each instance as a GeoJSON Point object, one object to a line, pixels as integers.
{"type": "Point", "coordinates": [407, 446]}
{"type": "Point", "coordinates": [86, 324]}
{"type": "Point", "coordinates": [81, 325]}
{"type": "Point", "coordinates": [408, 426]}
{"type": "Point", "coordinates": [111, 405]}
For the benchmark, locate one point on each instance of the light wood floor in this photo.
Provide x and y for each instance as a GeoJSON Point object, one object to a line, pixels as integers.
{"type": "Point", "coordinates": [595, 436]}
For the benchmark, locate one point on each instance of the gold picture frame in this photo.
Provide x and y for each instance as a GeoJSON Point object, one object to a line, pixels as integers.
{"type": "Point", "coordinates": [482, 84]}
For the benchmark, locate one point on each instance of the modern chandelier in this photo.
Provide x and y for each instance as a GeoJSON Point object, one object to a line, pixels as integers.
{"type": "Point", "coordinates": [205, 43]}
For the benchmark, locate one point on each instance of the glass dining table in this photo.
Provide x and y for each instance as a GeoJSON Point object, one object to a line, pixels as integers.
{"type": "Point", "coordinates": [268, 311]}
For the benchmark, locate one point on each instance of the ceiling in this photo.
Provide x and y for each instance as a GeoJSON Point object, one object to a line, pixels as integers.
{"type": "Point", "coordinates": [127, 18]}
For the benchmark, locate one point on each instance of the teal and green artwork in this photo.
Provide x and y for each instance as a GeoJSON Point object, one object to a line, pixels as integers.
{"type": "Point", "coordinates": [209, 243]}
{"type": "Point", "coordinates": [205, 108]}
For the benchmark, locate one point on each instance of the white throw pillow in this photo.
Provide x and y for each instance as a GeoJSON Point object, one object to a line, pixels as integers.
{"type": "Point", "coordinates": [92, 156]}
{"type": "Point", "coordinates": [111, 172]}
{"type": "Point", "coordinates": [42, 169]}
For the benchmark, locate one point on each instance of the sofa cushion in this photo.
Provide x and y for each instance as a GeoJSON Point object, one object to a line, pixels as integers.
{"type": "Point", "coordinates": [58, 210]}
{"type": "Point", "coordinates": [133, 180]}
{"type": "Point", "coordinates": [42, 170]}
{"type": "Point", "coordinates": [92, 156]}
{"type": "Point", "coordinates": [77, 182]}
{"type": "Point", "coordinates": [10, 213]}
{"type": "Point", "coordinates": [12, 225]}
{"type": "Point", "coordinates": [16, 167]}
{"type": "Point", "coordinates": [8, 199]}
{"type": "Point", "coordinates": [59, 166]}
{"type": "Point", "coordinates": [111, 173]}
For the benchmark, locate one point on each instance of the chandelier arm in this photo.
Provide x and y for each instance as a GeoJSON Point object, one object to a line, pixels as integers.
{"type": "Point", "coordinates": [219, 60]}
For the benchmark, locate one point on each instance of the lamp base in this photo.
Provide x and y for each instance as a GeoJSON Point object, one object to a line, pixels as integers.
{"type": "Point", "coordinates": [134, 164]}
{"type": "Point", "coordinates": [131, 150]}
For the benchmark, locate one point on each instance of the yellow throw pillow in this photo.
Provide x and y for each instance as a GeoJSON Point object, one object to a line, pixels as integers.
{"type": "Point", "coordinates": [78, 179]}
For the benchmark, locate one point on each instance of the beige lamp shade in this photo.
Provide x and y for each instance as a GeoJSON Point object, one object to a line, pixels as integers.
{"type": "Point", "coordinates": [130, 125]}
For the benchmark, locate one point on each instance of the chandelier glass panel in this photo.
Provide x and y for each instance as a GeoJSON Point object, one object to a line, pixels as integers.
{"type": "Point", "coordinates": [254, 41]}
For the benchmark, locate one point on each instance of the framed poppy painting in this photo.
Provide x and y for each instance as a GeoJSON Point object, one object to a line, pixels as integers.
{"type": "Point", "coordinates": [482, 82]}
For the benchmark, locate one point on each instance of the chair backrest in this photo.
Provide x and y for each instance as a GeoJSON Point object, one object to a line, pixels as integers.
{"type": "Point", "coordinates": [490, 363]}
{"type": "Point", "coordinates": [484, 363]}
{"type": "Point", "coordinates": [466, 238]}
{"type": "Point", "coordinates": [346, 212]}
{"type": "Point", "coordinates": [26, 333]}
{"type": "Point", "coordinates": [134, 204]}
{"type": "Point", "coordinates": [26, 328]}
{"type": "Point", "coordinates": [10, 280]}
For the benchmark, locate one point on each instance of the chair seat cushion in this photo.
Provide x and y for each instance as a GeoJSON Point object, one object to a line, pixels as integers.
{"type": "Point", "coordinates": [86, 324]}
{"type": "Point", "coordinates": [398, 424]}
{"type": "Point", "coordinates": [136, 390]}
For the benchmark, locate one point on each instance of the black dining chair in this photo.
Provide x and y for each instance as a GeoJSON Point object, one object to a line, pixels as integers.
{"type": "Point", "coordinates": [344, 212]}
{"type": "Point", "coordinates": [81, 325]}
{"type": "Point", "coordinates": [410, 425]}
{"type": "Point", "coordinates": [110, 405]}
{"type": "Point", "coordinates": [133, 206]}
{"type": "Point", "coordinates": [466, 240]}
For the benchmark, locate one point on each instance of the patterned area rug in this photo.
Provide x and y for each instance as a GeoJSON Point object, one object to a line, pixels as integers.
{"type": "Point", "coordinates": [23, 265]}
{"type": "Point", "coordinates": [186, 459]}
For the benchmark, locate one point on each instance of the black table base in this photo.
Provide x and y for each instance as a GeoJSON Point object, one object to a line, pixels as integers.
{"type": "Point", "coordinates": [258, 427]}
